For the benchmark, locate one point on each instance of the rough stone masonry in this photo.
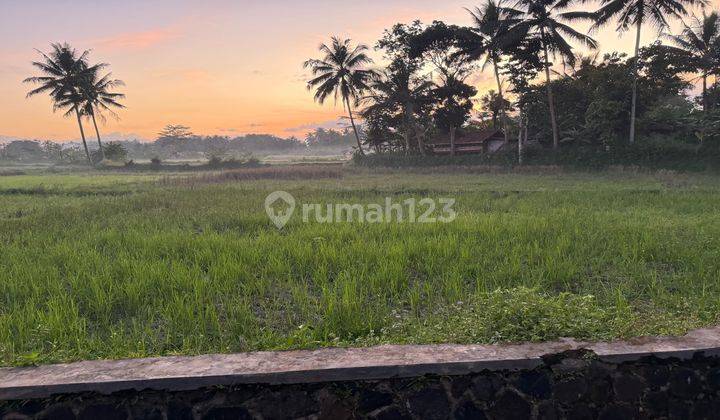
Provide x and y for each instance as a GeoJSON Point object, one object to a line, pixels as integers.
{"type": "Point", "coordinates": [680, 379]}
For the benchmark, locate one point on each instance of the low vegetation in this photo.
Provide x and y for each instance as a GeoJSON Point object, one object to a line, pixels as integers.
{"type": "Point", "coordinates": [116, 266]}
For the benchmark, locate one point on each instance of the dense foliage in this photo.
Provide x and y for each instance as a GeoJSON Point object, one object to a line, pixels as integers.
{"type": "Point", "coordinates": [547, 95]}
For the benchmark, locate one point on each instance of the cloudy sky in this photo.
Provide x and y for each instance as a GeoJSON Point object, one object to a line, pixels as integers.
{"type": "Point", "coordinates": [220, 66]}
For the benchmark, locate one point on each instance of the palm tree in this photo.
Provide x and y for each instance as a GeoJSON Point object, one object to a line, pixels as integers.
{"type": "Point", "coordinates": [98, 98]}
{"type": "Point", "coordinates": [700, 45]}
{"type": "Point", "coordinates": [487, 38]}
{"type": "Point", "coordinates": [545, 20]}
{"type": "Point", "coordinates": [637, 12]}
{"type": "Point", "coordinates": [494, 104]}
{"type": "Point", "coordinates": [63, 71]}
{"type": "Point", "coordinates": [340, 73]}
{"type": "Point", "coordinates": [397, 91]}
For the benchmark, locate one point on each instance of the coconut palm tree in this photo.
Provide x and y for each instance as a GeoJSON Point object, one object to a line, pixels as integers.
{"type": "Point", "coordinates": [636, 13]}
{"type": "Point", "coordinates": [98, 98]}
{"type": "Point", "coordinates": [341, 73]}
{"type": "Point", "coordinates": [398, 92]}
{"type": "Point", "coordinates": [700, 45]}
{"type": "Point", "coordinates": [547, 21]}
{"type": "Point", "coordinates": [63, 70]}
{"type": "Point", "coordinates": [487, 39]}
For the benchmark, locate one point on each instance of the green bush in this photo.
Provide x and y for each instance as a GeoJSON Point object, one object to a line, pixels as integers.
{"type": "Point", "coordinates": [656, 152]}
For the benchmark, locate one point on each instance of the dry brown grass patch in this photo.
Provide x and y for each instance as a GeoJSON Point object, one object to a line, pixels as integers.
{"type": "Point", "coordinates": [293, 172]}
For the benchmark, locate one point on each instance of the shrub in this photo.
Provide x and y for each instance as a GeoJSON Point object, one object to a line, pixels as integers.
{"type": "Point", "coordinates": [155, 162]}
{"type": "Point", "coordinates": [115, 151]}
{"type": "Point", "coordinates": [655, 152]}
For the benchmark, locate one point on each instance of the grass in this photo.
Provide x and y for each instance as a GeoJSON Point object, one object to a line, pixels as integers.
{"type": "Point", "coordinates": [114, 266]}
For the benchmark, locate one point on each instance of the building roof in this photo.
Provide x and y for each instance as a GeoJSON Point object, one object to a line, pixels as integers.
{"type": "Point", "coordinates": [469, 137]}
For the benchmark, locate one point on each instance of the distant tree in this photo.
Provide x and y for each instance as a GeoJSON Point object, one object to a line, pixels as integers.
{"type": "Point", "coordinates": [545, 20]}
{"type": "Point", "coordinates": [53, 151]}
{"type": "Point", "coordinates": [523, 67]}
{"type": "Point", "coordinates": [438, 45]}
{"type": "Point", "coordinates": [24, 150]}
{"type": "Point", "coordinates": [635, 13]}
{"type": "Point", "coordinates": [174, 140]}
{"type": "Point", "coordinates": [699, 44]}
{"type": "Point", "coordinates": [399, 92]}
{"type": "Point", "coordinates": [454, 105]}
{"type": "Point", "coordinates": [487, 40]}
{"type": "Point", "coordinates": [593, 100]}
{"type": "Point", "coordinates": [397, 44]}
{"type": "Point", "coordinates": [660, 72]}
{"type": "Point", "coordinates": [328, 137]}
{"type": "Point", "coordinates": [175, 132]}
{"type": "Point", "coordinates": [63, 71]}
{"type": "Point", "coordinates": [216, 151]}
{"type": "Point", "coordinates": [495, 105]}
{"type": "Point", "coordinates": [266, 142]}
{"type": "Point", "coordinates": [98, 98]}
{"type": "Point", "coordinates": [380, 129]}
{"type": "Point", "coordinates": [341, 73]}
{"type": "Point", "coordinates": [115, 151]}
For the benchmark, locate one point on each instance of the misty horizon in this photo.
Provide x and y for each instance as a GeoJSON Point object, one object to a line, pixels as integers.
{"type": "Point", "coordinates": [237, 76]}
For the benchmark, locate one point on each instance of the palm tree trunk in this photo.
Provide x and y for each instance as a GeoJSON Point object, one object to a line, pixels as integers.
{"type": "Point", "coordinates": [420, 133]}
{"type": "Point", "coordinates": [452, 141]}
{"type": "Point", "coordinates": [500, 95]}
{"type": "Point", "coordinates": [408, 124]}
{"type": "Point", "coordinates": [636, 66]}
{"type": "Point", "coordinates": [82, 134]}
{"type": "Point", "coordinates": [551, 102]}
{"type": "Point", "coordinates": [352, 122]}
{"type": "Point", "coordinates": [97, 133]}
{"type": "Point", "coordinates": [520, 139]}
{"type": "Point", "coordinates": [704, 93]}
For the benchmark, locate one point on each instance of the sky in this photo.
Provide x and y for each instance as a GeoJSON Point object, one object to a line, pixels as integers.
{"type": "Point", "coordinates": [225, 67]}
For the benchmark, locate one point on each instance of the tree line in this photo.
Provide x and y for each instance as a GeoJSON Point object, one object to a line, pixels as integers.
{"type": "Point", "coordinates": [179, 142]}
{"type": "Point", "coordinates": [545, 91]}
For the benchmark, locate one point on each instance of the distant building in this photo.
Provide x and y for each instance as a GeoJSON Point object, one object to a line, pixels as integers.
{"type": "Point", "coordinates": [472, 142]}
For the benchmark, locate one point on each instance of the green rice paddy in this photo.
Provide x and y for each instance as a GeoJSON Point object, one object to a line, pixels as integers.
{"type": "Point", "coordinates": [115, 266]}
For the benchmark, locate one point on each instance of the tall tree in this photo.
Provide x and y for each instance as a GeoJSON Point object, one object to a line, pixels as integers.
{"type": "Point", "coordinates": [699, 44]}
{"type": "Point", "coordinates": [341, 73]}
{"type": "Point", "coordinates": [175, 131]}
{"type": "Point", "coordinates": [438, 45]}
{"type": "Point", "coordinates": [487, 40]}
{"type": "Point", "coordinates": [98, 98]}
{"type": "Point", "coordinates": [63, 71]}
{"type": "Point", "coordinates": [524, 66]}
{"type": "Point", "coordinates": [400, 92]}
{"type": "Point", "coordinates": [636, 13]}
{"type": "Point", "coordinates": [546, 21]}
{"type": "Point", "coordinates": [495, 105]}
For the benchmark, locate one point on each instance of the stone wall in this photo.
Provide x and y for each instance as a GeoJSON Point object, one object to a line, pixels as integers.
{"type": "Point", "coordinates": [576, 385]}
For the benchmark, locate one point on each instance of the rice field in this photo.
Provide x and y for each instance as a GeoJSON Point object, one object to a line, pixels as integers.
{"type": "Point", "coordinates": [103, 265]}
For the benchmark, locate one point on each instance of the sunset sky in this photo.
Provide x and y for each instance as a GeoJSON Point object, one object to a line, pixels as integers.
{"type": "Point", "coordinates": [219, 66]}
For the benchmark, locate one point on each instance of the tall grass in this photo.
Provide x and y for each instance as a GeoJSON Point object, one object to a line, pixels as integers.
{"type": "Point", "coordinates": [166, 269]}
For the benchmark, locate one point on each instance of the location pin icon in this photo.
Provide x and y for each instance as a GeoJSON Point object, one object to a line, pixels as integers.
{"type": "Point", "coordinates": [280, 206]}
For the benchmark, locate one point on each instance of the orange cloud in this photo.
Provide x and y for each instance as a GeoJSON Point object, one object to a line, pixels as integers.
{"type": "Point", "coordinates": [138, 40]}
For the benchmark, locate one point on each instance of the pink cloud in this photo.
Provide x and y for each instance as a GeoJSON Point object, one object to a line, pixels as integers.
{"type": "Point", "coordinates": [138, 40]}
